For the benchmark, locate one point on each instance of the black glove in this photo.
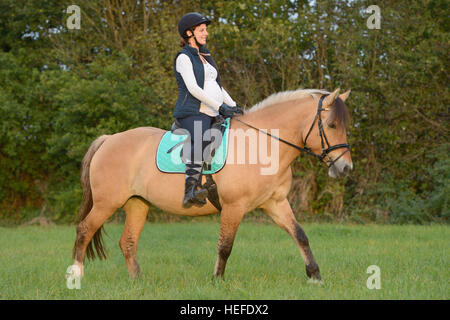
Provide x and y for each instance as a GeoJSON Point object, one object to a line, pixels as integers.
{"type": "Point", "coordinates": [239, 109]}
{"type": "Point", "coordinates": [228, 112]}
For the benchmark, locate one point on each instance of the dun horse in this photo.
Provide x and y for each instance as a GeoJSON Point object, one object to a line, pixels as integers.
{"type": "Point", "coordinates": [119, 170]}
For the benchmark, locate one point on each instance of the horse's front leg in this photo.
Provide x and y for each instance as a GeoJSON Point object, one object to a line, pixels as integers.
{"type": "Point", "coordinates": [281, 213]}
{"type": "Point", "coordinates": [230, 218]}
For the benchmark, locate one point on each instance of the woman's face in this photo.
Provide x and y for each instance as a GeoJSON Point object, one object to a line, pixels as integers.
{"type": "Point", "coordinates": [200, 34]}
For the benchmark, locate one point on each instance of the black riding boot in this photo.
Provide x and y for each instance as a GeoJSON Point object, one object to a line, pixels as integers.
{"type": "Point", "coordinates": [192, 196]}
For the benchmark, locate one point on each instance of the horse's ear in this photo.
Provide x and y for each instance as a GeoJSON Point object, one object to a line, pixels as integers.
{"type": "Point", "coordinates": [345, 95]}
{"type": "Point", "coordinates": [329, 100]}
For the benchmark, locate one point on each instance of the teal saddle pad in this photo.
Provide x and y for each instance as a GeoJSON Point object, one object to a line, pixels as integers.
{"type": "Point", "coordinates": [171, 162]}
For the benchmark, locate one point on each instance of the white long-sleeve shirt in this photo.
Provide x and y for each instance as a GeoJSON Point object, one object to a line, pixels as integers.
{"type": "Point", "coordinates": [211, 96]}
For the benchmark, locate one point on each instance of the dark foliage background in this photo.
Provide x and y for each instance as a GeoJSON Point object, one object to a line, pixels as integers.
{"type": "Point", "coordinates": [60, 89]}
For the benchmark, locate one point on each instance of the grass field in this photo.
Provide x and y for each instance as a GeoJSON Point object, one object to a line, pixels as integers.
{"type": "Point", "coordinates": [177, 261]}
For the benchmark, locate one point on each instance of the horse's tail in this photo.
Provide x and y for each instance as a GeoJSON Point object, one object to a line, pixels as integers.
{"type": "Point", "coordinates": [87, 202]}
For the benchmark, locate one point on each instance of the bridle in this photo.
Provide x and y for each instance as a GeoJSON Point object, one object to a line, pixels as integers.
{"type": "Point", "coordinates": [323, 138]}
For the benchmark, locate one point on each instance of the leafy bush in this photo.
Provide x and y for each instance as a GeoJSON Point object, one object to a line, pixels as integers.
{"type": "Point", "coordinates": [60, 89]}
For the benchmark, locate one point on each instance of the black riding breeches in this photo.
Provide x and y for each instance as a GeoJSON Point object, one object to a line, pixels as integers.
{"type": "Point", "coordinates": [198, 127]}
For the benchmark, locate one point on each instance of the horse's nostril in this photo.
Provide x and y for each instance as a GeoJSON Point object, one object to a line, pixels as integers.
{"type": "Point", "coordinates": [347, 169]}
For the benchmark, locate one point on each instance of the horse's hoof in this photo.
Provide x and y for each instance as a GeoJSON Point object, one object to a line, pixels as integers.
{"type": "Point", "coordinates": [315, 281]}
{"type": "Point", "coordinates": [313, 272]}
{"type": "Point", "coordinates": [218, 278]}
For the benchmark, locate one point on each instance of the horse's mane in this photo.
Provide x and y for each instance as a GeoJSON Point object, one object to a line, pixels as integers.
{"type": "Point", "coordinates": [284, 96]}
{"type": "Point", "coordinates": [339, 112]}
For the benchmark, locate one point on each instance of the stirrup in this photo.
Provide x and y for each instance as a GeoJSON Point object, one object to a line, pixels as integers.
{"type": "Point", "coordinates": [192, 196]}
{"type": "Point", "coordinates": [187, 203]}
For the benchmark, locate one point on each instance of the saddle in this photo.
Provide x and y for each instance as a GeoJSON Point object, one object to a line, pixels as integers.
{"type": "Point", "coordinates": [170, 158]}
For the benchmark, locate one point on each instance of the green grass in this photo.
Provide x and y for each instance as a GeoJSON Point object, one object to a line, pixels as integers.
{"type": "Point", "coordinates": [177, 261]}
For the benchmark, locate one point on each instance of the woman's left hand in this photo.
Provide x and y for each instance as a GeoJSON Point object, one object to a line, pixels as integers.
{"type": "Point", "coordinates": [239, 110]}
{"type": "Point", "coordinates": [228, 112]}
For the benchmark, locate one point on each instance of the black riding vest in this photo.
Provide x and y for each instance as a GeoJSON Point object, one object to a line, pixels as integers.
{"type": "Point", "coordinates": [187, 104]}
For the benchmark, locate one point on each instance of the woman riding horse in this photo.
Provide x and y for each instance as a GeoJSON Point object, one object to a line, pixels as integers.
{"type": "Point", "coordinates": [120, 170]}
{"type": "Point", "coordinates": [201, 98]}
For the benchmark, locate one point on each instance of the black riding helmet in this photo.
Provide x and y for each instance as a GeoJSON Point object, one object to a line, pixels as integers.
{"type": "Point", "coordinates": [189, 21]}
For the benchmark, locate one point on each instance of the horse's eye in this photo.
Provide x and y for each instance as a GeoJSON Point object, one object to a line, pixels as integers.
{"type": "Point", "coordinates": [332, 125]}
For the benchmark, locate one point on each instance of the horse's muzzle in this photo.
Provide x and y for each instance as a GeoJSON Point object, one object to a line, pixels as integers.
{"type": "Point", "coordinates": [340, 168]}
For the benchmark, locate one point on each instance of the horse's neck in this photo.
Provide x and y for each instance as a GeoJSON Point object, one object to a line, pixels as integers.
{"type": "Point", "coordinates": [286, 116]}
{"type": "Point", "coordinates": [290, 119]}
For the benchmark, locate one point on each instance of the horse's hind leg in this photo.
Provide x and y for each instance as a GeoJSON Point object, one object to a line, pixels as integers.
{"type": "Point", "coordinates": [230, 219]}
{"type": "Point", "coordinates": [89, 229]}
{"type": "Point", "coordinates": [283, 216]}
{"type": "Point", "coordinates": [136, 210]}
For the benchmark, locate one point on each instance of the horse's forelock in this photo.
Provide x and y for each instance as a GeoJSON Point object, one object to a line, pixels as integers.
{"type": "Point", "coordinates": [339, 113]}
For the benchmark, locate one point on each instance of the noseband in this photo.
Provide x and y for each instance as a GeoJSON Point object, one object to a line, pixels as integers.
{"type": "Point", "coordinates": [323, 138]}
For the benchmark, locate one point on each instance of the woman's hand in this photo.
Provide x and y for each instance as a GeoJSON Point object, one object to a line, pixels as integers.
{"type": "Point", "coordinates": [229, 112]}
{"type": "Point", "coordinates": [239, 109]}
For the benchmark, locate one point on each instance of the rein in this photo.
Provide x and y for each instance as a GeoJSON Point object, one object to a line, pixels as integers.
{"type": "Point", "coordinates": [323, 138]}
